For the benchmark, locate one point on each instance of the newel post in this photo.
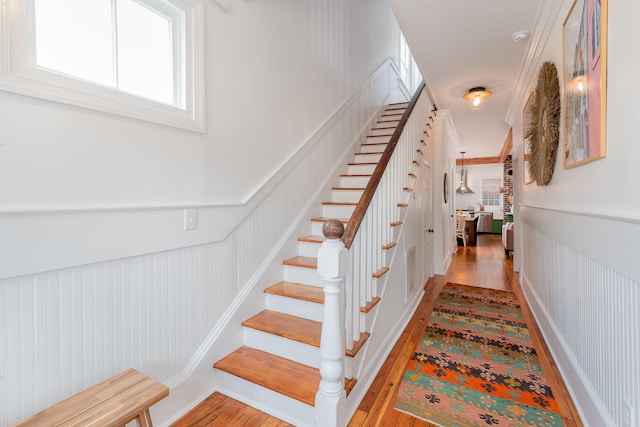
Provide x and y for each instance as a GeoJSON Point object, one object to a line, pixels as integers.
{"type": "Point", "coordinates": [332, 266]}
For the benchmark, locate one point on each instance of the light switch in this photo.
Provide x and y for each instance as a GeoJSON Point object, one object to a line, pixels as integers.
{"type": "Point", "coordinates": [190, 219]}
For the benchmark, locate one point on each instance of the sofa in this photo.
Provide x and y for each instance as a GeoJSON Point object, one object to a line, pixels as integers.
{"type": "Point", "coordinates": [507, 238]}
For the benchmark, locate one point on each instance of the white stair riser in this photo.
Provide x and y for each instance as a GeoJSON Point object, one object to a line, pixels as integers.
{"type": "Point", "coordinates": [361, 169]}
{"type": "Point", "coordinates": [295, 307]}
{"type": "Point", "coordinates": [289, 349]}
{"type": "Point", "coordinates": [276, 404]}
{"type": "Point", "coordinates": [354, 181]}
{"type": "Point", "coordinates": [351, 196]}
{"type": "Point", "coordinates": [384, 130]}
{"type": "Point", "coordinates": [395, 232]}
{"type": "Point", "coordinates": [408, 197]}
{"type": "Point", "coordinates": [373, 147]}
{"type": "Point", "coordinates": [306, 276]}
{"type": "Point", "coordinates": [390, 118]}
{"type": "Point", "coordinates": [386, 122]}
{"type": "Point", "coordinates": [337, 211]}
{"type": "Point", "coordinates": [367, 157]}
{"type": "Point", "coordinates": [367, 319]}
{"type": "Point", "coordinates": [308, 249]}
{"type": "Point", "coordinates": [376, 139]}
{"type": "Point", "coordinates": [387, 254]}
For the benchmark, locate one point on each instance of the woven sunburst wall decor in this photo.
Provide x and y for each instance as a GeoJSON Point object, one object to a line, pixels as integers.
{"type": "Point", "coordinates": [543, 131]}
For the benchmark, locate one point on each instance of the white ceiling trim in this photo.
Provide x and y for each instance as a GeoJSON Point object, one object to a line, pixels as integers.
{"type": "Point", "coordinates": [543, 26]}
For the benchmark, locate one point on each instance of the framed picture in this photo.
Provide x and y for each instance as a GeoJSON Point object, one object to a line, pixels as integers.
{"type": "Point", "coordinates": [526, 147]}
{"type": "Point", "coordinates": [585, 82]}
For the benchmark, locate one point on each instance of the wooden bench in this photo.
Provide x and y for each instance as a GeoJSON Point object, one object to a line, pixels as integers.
{"type": "Point", "coordinates": [113, 402]}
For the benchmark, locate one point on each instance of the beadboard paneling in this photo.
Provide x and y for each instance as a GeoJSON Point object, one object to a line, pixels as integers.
{"type": "Point", "coordinates": [588, 311]}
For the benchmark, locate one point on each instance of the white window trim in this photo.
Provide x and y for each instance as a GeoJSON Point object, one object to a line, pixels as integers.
{"type": "Point", "coordinates": [19, 75]}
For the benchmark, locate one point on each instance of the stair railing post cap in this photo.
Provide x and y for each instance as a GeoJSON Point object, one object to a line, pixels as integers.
{"type": "Point", "coordinates": [332, 229]}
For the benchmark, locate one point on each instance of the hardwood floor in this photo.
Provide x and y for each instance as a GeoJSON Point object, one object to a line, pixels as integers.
{"type": "Point", "coordinates": [482, 265]}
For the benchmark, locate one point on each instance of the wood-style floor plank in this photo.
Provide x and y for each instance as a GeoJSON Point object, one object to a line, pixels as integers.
{"type": "Point", "coordinates": [219, 410]}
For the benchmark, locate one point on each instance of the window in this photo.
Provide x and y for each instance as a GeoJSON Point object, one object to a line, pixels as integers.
{"type": "Point", "coordinates": [409, 72]}
{"type": "Point", "coordinates": [491, 196]}
{"type": "Point", "coordinates": [137, 58]}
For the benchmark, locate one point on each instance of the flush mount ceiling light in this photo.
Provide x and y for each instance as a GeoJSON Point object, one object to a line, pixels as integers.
{"type": "Point", "coordinates": [476, 95]}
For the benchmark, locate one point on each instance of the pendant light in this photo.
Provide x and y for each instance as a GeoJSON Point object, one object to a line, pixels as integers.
{"type": "Point", "coordinates": [463, 189]}
{"type": "Point", "coordinates": [476, 95]}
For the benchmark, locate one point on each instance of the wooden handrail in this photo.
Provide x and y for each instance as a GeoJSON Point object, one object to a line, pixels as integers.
{"type": "Point", "coordinates": [365, 200]}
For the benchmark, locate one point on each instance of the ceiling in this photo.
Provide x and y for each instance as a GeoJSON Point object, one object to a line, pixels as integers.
{"type": "Point", "coordinates": [460, 44]}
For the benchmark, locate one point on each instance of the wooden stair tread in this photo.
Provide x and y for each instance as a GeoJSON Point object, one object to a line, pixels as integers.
{"type": "Point", "coordinates": [380, 273]}
{"type": "Point", "coordinates": [357, 345]}
{"type": "Point", "coordinates": [339, 203]}
{"type": "Point", "coordinates": [389, 246]}
{"type": "Point", "coordinates": [323, 219]}
{"type": "Point", "coordinates": [281, 375]}
{"type": "Point", "coordinates": [302, 261]}
{"type": "Point", "coordinates": [348, 188]}
{"type": "Point", "coordinates": [355, 174]}
{"type": "Point", "coordinates": [362, 163]}
{"type": "Point", "coordinates": [287, 326]}
{"type": "Point", "coordinates": [297, 291]}
{"type": "Point", "coordinates": [367, 308]}
{"type": "Point", "coordinates": [312, 239]}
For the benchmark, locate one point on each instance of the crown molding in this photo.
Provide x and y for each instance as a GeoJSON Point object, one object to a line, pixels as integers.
{"type": "Point", "coordinates": [544, 24]}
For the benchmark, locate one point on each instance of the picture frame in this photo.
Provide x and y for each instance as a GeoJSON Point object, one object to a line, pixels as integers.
{"type": "Point", "coordinates": [526, 147]}
{"type": "Point", "coordinates": [585, 82]}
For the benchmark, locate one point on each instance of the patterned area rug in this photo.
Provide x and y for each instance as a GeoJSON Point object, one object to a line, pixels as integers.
{"type": "Point", "coordinates": [476, 366]}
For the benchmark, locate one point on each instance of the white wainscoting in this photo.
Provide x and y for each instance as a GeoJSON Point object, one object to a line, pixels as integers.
{"type": "Point", "coordinates": [580, 273]}
{"type": "Point", "coordinates": [63, 330]}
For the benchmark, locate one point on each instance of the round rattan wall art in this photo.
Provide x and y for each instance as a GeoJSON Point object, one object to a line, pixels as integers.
{"type": "Point", "coordinates": [543, 131]}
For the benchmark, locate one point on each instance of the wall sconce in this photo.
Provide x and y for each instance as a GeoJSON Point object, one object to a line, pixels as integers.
{"type": "Point", "coordinates": [476, 95]}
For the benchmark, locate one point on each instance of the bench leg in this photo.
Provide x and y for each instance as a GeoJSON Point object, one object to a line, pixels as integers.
{"type": "Point", "coordinates": [144, 419]}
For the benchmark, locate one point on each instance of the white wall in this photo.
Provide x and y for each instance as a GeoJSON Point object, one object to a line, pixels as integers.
{"type": "Point", "coordinates": [98, 274]}
{"type": "Point", "coordinates": [576, 241]}
{"type": "Point", "coordinates": [446, 141]}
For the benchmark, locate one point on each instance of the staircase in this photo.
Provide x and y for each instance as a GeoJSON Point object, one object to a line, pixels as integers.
{"type": "Point", "coordinates": [278, 365]}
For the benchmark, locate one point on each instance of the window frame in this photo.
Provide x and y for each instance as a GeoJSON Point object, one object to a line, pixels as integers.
{"type": "Point", "coordinates": [494, 195]}
{"type": "Point", "coordinates": [408, 69]}
{"type": "Point", "coordinates": [20, 74]}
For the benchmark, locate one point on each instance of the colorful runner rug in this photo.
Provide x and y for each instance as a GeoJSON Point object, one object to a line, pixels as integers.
{"type": "Point", "coordinates": [476, 365]}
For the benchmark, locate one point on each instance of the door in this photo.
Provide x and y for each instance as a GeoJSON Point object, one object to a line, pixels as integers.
{"type": "Point", "coordinates": [427, 225]}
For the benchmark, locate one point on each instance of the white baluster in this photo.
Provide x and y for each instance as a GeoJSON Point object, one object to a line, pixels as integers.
{"type": "Point", "coordinates": [332, 267]}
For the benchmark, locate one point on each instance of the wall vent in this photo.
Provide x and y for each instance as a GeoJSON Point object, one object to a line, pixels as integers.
{"type": "Point", "coordinates": [410, 269]}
